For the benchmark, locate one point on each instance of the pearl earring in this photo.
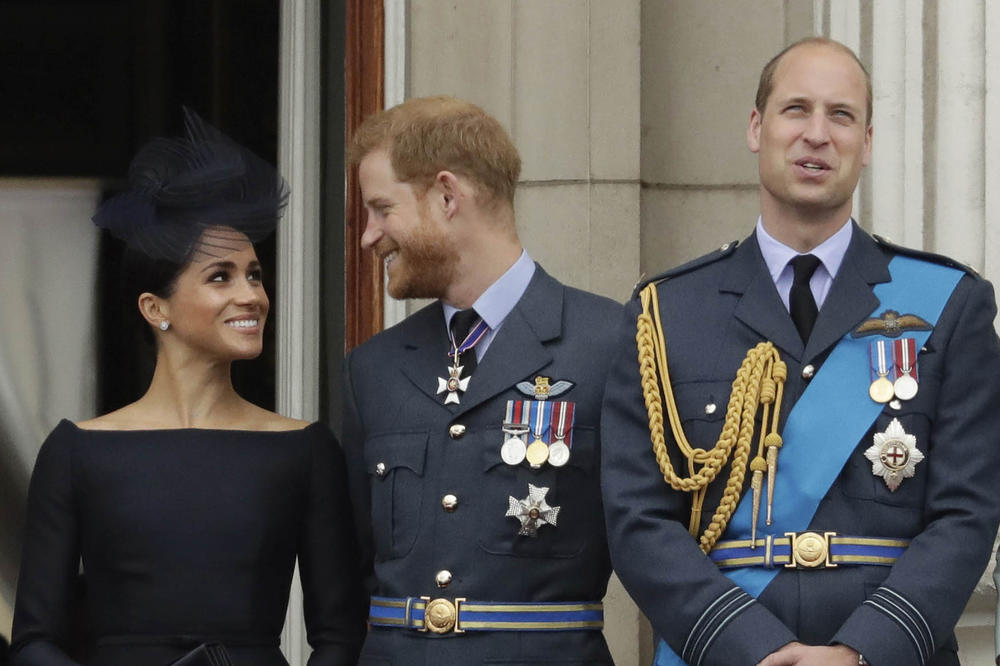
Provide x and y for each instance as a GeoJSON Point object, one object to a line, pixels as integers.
{"type": "Point", "coordinates": [164, 325]}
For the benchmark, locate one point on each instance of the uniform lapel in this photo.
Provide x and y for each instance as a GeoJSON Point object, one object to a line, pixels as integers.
{"type": "Point", "coordinates": [851, 298]}
{"type": "Point", "coordinates": [517, 351]}
{"type": "Point", "coordinates": [759, 306]}
{"type": "Point", "coordinates": [424, 356]}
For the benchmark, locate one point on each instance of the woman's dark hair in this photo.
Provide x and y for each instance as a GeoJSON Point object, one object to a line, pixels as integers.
{"type": "Point", "coordinates": [140, 274]}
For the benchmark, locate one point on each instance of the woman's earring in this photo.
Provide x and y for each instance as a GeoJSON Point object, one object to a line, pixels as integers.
{"type": "Point", "coordinates": [164, 325]}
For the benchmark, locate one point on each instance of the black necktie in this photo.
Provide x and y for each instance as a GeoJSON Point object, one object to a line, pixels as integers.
{"type": "Point", "coordinates": [801, 304]}
{"type": "Point", "coordinates": [461, 323]}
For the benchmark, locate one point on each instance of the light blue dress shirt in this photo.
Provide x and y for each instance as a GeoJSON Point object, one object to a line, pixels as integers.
{"type": "Point", "coordinates": [830, 252]}
{"type": "Point", "coordinates": [498, 300]}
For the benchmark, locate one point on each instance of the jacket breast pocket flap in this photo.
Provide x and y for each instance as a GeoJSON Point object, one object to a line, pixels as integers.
{"type": "Point", "coordinates": [395, 464]}
{"type": "Point", "coordinates": [702, 409]}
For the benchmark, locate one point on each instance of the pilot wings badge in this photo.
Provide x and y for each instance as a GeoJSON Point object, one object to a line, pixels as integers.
{"type": "Point", "coordinates": [542, 389]}
{"type": "Point", "coordinates": [891, 324]}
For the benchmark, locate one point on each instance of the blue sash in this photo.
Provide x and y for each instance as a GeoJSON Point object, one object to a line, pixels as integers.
{"type": "Point", "coordinates": [828, 421]}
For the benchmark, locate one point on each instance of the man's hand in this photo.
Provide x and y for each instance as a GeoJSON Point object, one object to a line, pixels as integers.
{"type": "Point", "coordinates": [797, 654]}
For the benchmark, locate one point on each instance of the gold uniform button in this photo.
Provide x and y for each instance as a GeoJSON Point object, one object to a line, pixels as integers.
{"type": "Point", "coordinates": [808, 371]}
{"type": "Point", "coordinates": [442, 578]}
{"type": "Point", "coordinates": [380, 469]}
{"type": "Point", "coordinates": [449, 502]}
{"type": "Point", "coordinates": [456, 431]}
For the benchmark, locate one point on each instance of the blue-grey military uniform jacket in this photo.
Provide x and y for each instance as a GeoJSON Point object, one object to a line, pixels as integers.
{"type": "Point", "coordinates": [713, 311]}
{"type": "Point", "coordinates": [395, 418]}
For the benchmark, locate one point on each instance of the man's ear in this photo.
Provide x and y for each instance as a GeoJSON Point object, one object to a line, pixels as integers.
{"type": "Point", "coordinates": [450, 192]}
{"type": "Point", "coordinates": [154, 310]}
{"type": "Point", "coordinates": [866, 156]}
{"type": "Point", "coordinates": [753, 131]}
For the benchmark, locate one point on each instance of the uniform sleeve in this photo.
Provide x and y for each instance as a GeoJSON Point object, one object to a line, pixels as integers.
{"type": "Point", "coordinates": [915, 610]}
{"type": "Point", "coordinates": [354, 439]}
{"type": "Point", "coordinates": [49, 560]}
{"type": "Point", "coordinates": [334, 602]}
{"type": "Point", "coordinates": [703, 615]}
{"type": "Point", "coordinates": [996, 614]}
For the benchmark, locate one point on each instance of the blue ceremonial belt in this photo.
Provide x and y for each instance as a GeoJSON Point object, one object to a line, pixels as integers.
{"type": "Point", "coordinates": [460, 615]}
{"type": "Point", "coordinates": [771, 551]}
{"type": "Point", "coordinates": [831, 417]}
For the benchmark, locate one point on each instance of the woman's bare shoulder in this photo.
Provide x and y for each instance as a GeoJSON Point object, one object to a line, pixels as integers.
{"type": "Point", "coordinates": [264, 419]}
{"type": "Point", "coordinates": [128, 417]}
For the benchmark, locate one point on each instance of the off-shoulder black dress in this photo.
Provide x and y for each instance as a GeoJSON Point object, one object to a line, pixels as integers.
{"type": "Point", "coordinates": [187, 536]}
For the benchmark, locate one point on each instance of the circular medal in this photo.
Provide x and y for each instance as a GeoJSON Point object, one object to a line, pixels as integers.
{"type": "Point", "coordinates": [537, 453]}
{"type": "Point", "coordinates": [558, 453]}
{"type": "Point", "coordinates": [513, 451]}
{"type": "Point", "coordinates": [881, 390]}
{"type": "Point", "coordinates": [905, 387]}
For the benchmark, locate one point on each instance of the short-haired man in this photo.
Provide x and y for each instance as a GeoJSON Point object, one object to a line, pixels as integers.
{"type": "Point", "coordinates": [822, 408]}
{"type": "Point", "coordinates": [472, 427]}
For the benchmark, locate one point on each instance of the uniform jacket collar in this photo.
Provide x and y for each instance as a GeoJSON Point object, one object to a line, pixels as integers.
{"type": "Point", "coordinates": [850, 299]}
{"type": "Point", "coordinates": [517, 351]}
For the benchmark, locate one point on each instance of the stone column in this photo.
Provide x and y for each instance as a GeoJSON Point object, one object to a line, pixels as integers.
{"type": "Point", "coordinates": [959, 214]}
{"type": "Point", "coordinates": [897, 168]}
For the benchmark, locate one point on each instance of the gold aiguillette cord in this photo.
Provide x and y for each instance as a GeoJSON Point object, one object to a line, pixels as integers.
{"type": "Point", "coordinates": [759, 381]}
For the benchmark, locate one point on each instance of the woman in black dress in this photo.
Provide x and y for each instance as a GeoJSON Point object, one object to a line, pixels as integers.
{"type": "Point", "coordinates": [187, 509]}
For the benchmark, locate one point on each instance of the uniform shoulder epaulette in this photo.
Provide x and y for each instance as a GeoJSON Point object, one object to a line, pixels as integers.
{"type": "Point", "coordinates": [695, 264]}
{"type": "Point", "coordinates": [926, 256]}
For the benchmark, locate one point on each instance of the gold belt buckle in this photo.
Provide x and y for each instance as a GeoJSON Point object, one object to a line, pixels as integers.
{"type": "Point", "coordinates": [441, 615]}
{"type": "Point", "coordinates": [810, 550]}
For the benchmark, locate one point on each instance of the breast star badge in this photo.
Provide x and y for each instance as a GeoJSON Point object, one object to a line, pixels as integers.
{"type": "Point", "coordinates": [894, 455]}
{"type": "Point", "coordinates": [453, 384]}
{"type": "Point", "coordinates": [533, 511]}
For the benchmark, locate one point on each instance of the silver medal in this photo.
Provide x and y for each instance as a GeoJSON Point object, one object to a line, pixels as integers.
{"type": "Point", "coordinates": [513, 450]}
{"type": "Point", "coordinates": [905, 387]}
{"type": "Point", "coordinates": [558, 453]}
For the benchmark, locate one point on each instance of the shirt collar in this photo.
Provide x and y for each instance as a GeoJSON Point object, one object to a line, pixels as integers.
{"type": "Point", "coordinates": [830, 252]}
{"type": "Point", "coordinates": [500, 297]}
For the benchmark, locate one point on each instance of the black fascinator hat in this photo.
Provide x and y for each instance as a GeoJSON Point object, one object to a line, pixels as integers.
{"type": "Point", "coordinates": [188, 196]}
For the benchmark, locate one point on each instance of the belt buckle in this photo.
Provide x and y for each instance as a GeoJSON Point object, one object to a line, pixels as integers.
{"type": "Point", "coordinates": [809, 550]}
{"type": "Point", "coordinates": [442, 616]}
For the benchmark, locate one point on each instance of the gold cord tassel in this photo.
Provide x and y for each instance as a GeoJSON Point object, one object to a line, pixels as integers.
{"type": "Point", "coordinates": [759, 380]}
{"type": "Point", "coordinates": [758, 466]}
{"type": "Point", "coordinates": [772, 469]}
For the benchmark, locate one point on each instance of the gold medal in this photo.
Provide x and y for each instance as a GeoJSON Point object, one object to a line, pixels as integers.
{"type": "Point", "coordinates": [881, 390]}
{"type": "Point", "coordinates": [537, 454]}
